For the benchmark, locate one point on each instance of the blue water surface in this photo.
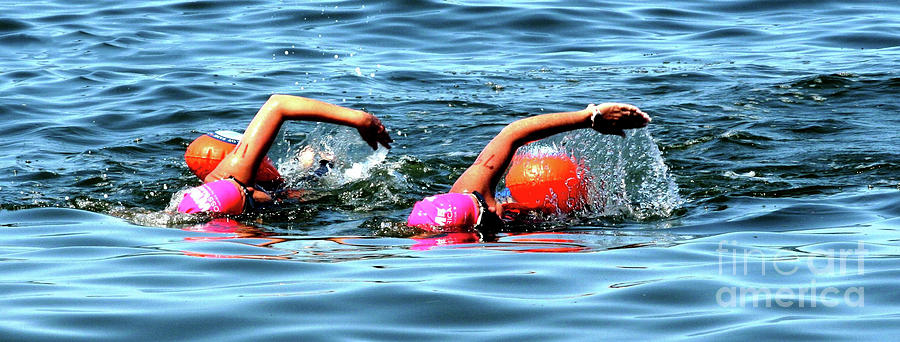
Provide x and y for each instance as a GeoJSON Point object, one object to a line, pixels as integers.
{"type": "Point", "coordinates": [761, 203]}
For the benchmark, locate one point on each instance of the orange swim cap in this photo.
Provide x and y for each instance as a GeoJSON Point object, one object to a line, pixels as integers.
{"type": "Point", "coordinates": [205, 153]}
{"type": "Point", "coordinates": [549, 181]}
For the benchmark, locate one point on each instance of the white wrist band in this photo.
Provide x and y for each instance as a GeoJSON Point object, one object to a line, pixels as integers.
{"type": "Point", "coordinates": [594, 111]}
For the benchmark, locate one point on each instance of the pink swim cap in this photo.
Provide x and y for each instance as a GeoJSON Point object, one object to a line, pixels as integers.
{"type": "Point", "coordinates": [222, 196]}
{"type": "Point", "coordinates": [445, 212]}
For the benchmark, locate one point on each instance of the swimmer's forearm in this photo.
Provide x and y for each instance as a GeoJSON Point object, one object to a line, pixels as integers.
{"type": "Point", "coordinates": [499, 151]}
{"type": "Point", "coordinates": [280, 108]}
{"type": "Point", "coordinates": [542, 126]}
{"type": "Point", "coordinates": [289, 107]}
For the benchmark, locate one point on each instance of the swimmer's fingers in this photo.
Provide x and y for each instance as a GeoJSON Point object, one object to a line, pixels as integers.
{"type": "Point", "coordinates": [368, 138]}
{"type": "Point", "coordinates": [385, 139]}
{"type": "Point", "coordinates": [381, 136]}
{"type": "Point", "coordinates": [374, 133]}
{"type": "Point", "coordinates": [614, 118]}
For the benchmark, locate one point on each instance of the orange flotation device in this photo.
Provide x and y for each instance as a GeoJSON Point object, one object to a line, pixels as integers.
{"type": "Point", "coordinates": [547, 181]}
{"type": "Point", "coordinates": [205, 153]}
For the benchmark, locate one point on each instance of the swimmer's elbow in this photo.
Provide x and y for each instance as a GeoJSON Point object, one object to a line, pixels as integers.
{"type": "Point", "coordinates": [289, 103]}
{"type": "Point", "coordinates": [278, 104]}
{"type": "Point", "coordinates": [514, 134]}
{"type": "Point", "coordinates": [276, 99]}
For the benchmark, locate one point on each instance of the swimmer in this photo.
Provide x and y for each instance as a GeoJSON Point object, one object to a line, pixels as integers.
{"type": "Point", "coordinates": [471, 203]}
{"type": "Point", "coordinates": [231, 187]}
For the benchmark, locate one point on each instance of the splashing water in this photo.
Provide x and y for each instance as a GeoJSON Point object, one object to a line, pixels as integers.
{"type": "Point", "coordinates": [349, 158]}
{"type": "Point", "coordinates": [623, 177]}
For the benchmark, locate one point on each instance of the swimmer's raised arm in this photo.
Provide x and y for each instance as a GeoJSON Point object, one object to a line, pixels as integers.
{"type": "Point", "coordinates": [484, 174]}
{"type": "Point", "coordinates": [244, 160]}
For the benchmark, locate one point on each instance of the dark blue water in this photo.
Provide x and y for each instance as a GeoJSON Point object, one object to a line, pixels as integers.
{"type": "Point", "coordinates": [762, 202]}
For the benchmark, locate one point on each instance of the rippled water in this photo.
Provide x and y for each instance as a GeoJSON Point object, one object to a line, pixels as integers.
{"type": "Point", "coordinates": [762, 202]}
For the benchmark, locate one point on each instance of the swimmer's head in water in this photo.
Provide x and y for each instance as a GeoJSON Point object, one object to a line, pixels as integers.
{"type": "Point", "coordinates": [224, 196]}
{"type": "Point", "coordinates": [446, 212]}
{"type": "Point", "coordinates": [204, 154]}
{"type": "Point", "coordinates": [549, 181]}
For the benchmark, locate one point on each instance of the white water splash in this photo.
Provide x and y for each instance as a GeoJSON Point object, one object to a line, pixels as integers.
{"type": "Point", "coordinates": [624, 177]}
{"type": "Point", "coordinates": [352, 158]}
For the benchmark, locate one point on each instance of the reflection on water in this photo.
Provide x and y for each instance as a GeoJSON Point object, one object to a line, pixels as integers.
{"type": "Point", "coordinates": [228, 230]}
{"type": "Point", "coordinates": [265, 244]}
{"type": "Point", "coordinates": [537, 242]}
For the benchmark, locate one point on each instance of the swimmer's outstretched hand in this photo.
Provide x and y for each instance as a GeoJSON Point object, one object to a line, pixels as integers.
{"type": "Point", "coordinates": [372, 131]}
{"type": "Point", "coordinates": [615, 118]}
